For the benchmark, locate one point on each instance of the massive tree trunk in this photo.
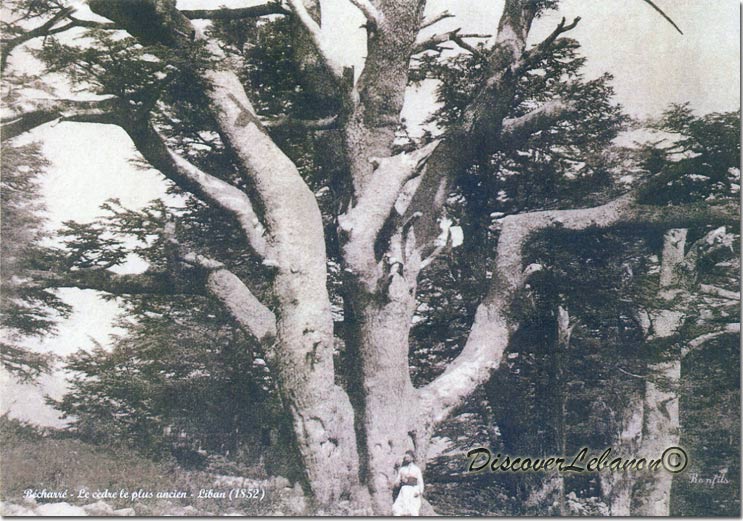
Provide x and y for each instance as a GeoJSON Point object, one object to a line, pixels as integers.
{"type": "Point", "coordinates": [380, 273]}
{"type": "Point", "coordinates": [302, 353]}
{"type": "Point", "coordinates": [381, 255]}
{"type": "Point", "coordinates": [387, 402]}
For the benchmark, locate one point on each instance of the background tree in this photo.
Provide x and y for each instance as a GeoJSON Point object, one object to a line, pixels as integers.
{"type": "Point", "coordinates": [697, 298]}
{"type": "Point", "coordinates": [28, 309]}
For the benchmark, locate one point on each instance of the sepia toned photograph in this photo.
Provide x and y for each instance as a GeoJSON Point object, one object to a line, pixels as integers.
{"type": "Point", "coordinates": [370, 258]}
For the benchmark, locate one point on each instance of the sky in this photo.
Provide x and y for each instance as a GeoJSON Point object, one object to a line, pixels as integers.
{"type": "Point", "coordinates": [653, 66]}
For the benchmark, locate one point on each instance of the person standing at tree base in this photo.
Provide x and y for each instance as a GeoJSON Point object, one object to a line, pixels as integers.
{"type": "Point", "coordinates": [409, 480]}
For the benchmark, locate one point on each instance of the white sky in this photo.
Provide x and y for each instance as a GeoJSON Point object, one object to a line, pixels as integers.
{"type": "Point", "coordinates": [652, 63]}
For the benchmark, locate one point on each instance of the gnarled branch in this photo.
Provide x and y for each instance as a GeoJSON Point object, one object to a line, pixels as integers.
{"type": "Point", "coordinates": [542, 50]}
{"type": "Point", "coordinates": [151, 144]}
{"type": "Point", "coordinates": [365, 220]}
{"type": "Point", "coordinates": [516, 130]}
{"type": "Point", "coordinates": [492, 329]}
{"type": "Point", "coordinates": [253, 317]}
{"type": "Point", "coordinates": [250, 313]}
{"type": "Point", "coordinates": [289, 124]}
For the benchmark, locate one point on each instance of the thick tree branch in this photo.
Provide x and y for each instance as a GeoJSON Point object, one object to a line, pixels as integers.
{"type": "Point", "coordinates": [239, 13]}
{"type": "Point", "coordinates": [492, 329]}
{"type": "Point", "coordinates": [516, 130]}
{"type": "Point", "coordinates": [696, 343]}
{"type": "Point", "coordinates": [371, 114]}
{"type": "Point", "coordinates": [291, 211]}
{"type": "Point", "coordinates": [75, 22]}
{"type": "Point", "coordinates": [289, 124]}
{"type": "Point", "coordinates": [318, 37]}
{"type": "Point", "coordinates": [41, 111]}
{"type": "Point", "coordinates": [151, 144]}
{"type": "Point", "coordinates": [561, 28]}
{"type": "Point", "coordinates": [719, 292]}
{"type": "Point", "coordinates": [364, 221]}
{"type": "Point", "coordinates": [252, 315]}
{"type": "Point", "coordinates": [90, 24]}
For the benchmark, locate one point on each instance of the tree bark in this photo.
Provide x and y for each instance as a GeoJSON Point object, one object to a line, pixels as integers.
{"type": "Point", "coordinates": [661, 425]}
{"type": "Point", "coordinates": [381, 275]}
{"type": "Point", "coordinates": [617, 487]}
{"type": "Point", "coordinates": [660, 431]}
{"type": "Point", "coordinates": [384, 394]}
{"type": "Point", "coordinates": [564, 332]}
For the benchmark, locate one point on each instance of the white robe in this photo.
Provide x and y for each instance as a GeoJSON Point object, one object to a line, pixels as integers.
{"type": "Point", "coordinates": [408, 502]}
